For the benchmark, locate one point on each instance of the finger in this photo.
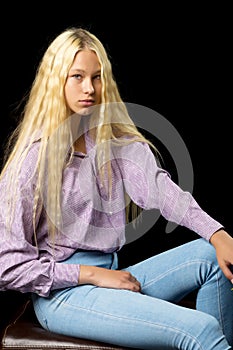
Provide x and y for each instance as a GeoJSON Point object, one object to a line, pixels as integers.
{"type": "Point", "coordinates": [133, 279]}
{"type": "Point", "coordinates": [227, 270]}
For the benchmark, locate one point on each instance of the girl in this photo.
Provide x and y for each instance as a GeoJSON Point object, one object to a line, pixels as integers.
{"type": "Point", "coordinates": [78, 170]}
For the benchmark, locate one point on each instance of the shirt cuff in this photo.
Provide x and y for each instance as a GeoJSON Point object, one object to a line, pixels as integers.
{"type": "Point", "coordinates": [65, 275]}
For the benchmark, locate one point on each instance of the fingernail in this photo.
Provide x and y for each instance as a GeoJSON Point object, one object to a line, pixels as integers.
{"type": "Point", "coordinates": [232, 281]}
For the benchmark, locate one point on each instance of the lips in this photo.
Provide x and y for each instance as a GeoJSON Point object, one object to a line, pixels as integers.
{"type": "Point", "coordinates": [87, 103]}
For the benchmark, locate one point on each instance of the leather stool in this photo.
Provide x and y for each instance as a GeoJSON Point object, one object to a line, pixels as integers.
{"type": "Point", "coordinates": [23, 331]}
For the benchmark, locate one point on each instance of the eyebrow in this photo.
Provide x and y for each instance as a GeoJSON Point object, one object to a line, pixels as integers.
{"type": "Point", "coordinates": [77, 70]}
{"type": "Point", "coordinates": [83, 71]}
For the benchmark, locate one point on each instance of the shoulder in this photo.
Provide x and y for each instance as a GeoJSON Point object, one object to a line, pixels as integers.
{"type": "Point", "coordinates": [126, 147]}
{"type": "Point", "coordinates": [28, 163]}
{"type": "Point", "coordinates": [21, 170]}
{"type": "Point", "coordinates": [32, 151]}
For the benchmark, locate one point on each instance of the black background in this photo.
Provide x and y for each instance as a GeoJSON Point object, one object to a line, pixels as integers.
{"type": "Point", "coordinates": [175, 59]}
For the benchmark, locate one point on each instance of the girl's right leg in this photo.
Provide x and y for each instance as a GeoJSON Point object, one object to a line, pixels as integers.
{"type": "Point", "coordinates": [126, 318]}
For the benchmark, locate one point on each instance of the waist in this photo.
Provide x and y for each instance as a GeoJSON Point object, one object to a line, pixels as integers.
{"type": "Point", "coordinates": [93, 258]}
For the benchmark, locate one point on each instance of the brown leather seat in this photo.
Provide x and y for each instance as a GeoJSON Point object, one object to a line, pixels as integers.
{"type": "Point", "coordinates": [21, 330]}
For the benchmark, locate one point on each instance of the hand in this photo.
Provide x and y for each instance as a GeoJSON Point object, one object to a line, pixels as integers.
{"type": "Point", "coordinates": [223, 244]}
{"type": "Point", "coordinates": [102, 277]}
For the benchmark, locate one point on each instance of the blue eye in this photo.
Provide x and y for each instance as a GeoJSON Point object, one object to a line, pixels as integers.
{"type": "Point", "coordinates": [77, 76]}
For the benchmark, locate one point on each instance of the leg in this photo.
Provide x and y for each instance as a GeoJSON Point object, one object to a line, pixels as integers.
{"type": "Point", "coordinates": [173, 274]}
{"type": "Point", "coordinates": [126, 318]}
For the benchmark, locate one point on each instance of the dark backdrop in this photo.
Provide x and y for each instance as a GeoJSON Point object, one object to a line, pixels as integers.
{"type": "Point", "coordinates": [173, 59]}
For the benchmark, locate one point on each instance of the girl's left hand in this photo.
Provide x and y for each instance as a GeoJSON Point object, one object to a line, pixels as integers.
{"type": "Point", "coordinates": [223, 244]}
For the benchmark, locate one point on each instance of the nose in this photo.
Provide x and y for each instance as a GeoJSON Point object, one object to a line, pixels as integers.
{"type": "Point", "coordinates": [88, 87]}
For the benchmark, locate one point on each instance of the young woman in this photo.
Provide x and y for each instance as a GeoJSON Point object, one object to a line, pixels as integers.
{"type": "Point", "coordinates": [78, 169]}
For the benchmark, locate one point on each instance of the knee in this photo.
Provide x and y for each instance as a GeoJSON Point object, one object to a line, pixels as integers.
{"type": "Point", "coordinates": [212, 331]}
{"type": "Point", "coordinates": [206, 250]}
{"type": "Point", "coordinates": [205, 254]}
{"type": "Point", "coordinates": [206, 332]}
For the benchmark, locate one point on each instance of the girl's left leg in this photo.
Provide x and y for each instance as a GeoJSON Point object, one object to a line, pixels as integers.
{"type": "Point", "coordinates": [173, 274]}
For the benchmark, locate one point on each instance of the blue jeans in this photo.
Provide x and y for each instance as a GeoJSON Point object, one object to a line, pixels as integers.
{"type": "Point", "coordinates": [150, 319]}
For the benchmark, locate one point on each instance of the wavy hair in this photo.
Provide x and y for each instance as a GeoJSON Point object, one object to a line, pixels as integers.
{"type": "Point", "coordinates": [46, 110]}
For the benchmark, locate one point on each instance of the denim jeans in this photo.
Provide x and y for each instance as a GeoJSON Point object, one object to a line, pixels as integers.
{"type": "Point", "coordinates": [150, 319]}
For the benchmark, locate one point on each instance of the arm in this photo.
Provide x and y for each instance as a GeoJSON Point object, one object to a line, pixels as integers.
{"type": "Point", "coordinates": [23, 265]}
{"type": "Point", "coordinates": [151, 187]}
{"type": "Point", "coordinates": [154, 188]}
{"type": "Point", "coordinates": [223, 244]}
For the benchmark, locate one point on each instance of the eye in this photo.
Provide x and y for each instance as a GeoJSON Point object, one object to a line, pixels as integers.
{"type": "Point", "coordinates": [77, 76]}
{"type": "Point", "coordinates": [97, 77]}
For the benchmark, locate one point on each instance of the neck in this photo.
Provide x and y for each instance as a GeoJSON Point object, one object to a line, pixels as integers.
{"type": "Point", "coordinates": [80, 145]}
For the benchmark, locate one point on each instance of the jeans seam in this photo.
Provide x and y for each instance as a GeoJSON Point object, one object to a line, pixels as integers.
{"type": "Point", "coordinates": [132, 320]}
{"type": "Point", "coordinates": [174, 269]}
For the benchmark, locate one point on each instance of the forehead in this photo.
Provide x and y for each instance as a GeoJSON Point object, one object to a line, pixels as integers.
{"type": "Point", "coordinates": [86, 60]}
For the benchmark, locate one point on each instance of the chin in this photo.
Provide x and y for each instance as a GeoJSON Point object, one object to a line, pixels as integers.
{"type": "Point", "coordinates": [83, 112]}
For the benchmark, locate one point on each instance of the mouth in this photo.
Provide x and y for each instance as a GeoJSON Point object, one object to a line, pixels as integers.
{"type": "Point", "coordinates": [86, 103]}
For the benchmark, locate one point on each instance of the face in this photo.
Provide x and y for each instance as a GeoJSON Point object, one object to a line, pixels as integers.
{"type": "Point", "coordinates": [83, 85]}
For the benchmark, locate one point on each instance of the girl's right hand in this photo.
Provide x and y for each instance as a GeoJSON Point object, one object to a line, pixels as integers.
{"type": "Point", "coordinates": [106, 278]}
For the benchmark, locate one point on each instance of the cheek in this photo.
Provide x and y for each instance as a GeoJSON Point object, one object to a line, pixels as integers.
{"type": "Point", "coordinates": [98, 92]}
{"type": "Point", "coordinates": [69, 93]}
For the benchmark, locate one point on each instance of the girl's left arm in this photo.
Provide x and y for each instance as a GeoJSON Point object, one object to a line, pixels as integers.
{"type": "Point", "coordinates": [223, 244]}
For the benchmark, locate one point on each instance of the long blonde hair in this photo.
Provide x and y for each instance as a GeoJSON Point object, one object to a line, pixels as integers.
{"type": "Point", "coordinates": [46, 110]}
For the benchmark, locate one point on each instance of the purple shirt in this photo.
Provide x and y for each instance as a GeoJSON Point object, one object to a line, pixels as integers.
{"type": "Point", "coordinates": [91, 218]}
